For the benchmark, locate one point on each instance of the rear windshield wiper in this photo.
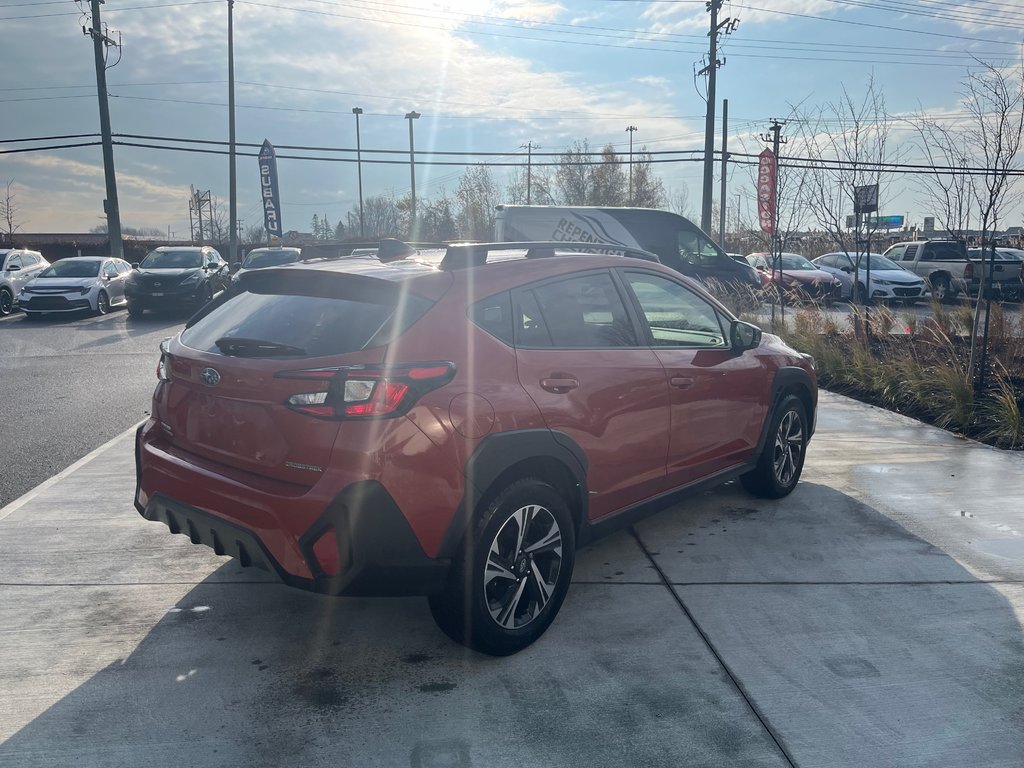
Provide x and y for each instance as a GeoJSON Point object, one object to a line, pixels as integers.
{"type": "Point", "coordinates": [239, 347]}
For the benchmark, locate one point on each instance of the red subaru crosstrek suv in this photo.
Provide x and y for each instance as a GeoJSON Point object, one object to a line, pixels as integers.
{"type": "Point", "coordinates": [457, 427]}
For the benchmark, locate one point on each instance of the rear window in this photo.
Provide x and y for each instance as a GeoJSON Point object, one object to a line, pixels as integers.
{"type": "Point", "coordinates": [271, 258]}
{"type": "Point", "coordinates": [255, 323]}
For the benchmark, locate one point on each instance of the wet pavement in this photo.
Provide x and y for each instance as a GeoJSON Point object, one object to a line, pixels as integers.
{"type": "Point", "coordinates": [870, 619]}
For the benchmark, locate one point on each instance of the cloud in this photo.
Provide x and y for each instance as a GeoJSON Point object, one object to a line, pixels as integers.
{"type": "Point", "coordinates": [680, 18]}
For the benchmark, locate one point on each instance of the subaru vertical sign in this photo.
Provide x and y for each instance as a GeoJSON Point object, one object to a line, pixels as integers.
{"type": "Point", "coordinates": [268, 191]}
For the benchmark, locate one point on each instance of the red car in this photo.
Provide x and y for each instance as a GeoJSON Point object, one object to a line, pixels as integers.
{"type": "Point", "coordinates": [800, 279]}
{"type": "Point", "coordinates": [458, 429]}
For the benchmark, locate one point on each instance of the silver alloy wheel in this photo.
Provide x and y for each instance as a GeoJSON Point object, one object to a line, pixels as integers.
{"type": "Point", "coordinates": [789, 444]}
{"type": "Point", "coordinates": [102, 304]}
{"type": "Point", "coordinates": [523, 564]}
{"type": "Point", "coordinates": [6, 302]}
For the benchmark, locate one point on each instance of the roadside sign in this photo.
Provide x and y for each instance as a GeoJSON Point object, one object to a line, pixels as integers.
{"type": "Point", "coordinates": [269, 191]}
{"type": "Point", "coordinates": [885, 222]}
{"type": "Point", "coordinates": [865, 199]}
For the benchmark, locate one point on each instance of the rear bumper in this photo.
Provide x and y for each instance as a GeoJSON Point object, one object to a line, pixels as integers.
{"type": "Point", "coordinates": [377, 552]}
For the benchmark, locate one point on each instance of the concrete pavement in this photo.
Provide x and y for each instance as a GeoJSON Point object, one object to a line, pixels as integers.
{"type": "Point", "coordinates": [870, 619]}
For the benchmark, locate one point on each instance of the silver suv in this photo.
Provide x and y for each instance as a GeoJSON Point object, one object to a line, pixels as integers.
{"type": "Point", "coordinates": [17, 267]}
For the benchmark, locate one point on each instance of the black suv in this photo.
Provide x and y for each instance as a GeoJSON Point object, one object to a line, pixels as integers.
{"type": "Point", "coordinates": [177, 277]}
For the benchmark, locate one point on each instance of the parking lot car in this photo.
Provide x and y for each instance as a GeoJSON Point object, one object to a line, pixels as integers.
{"type": "Point", "coordinates": [17, 267]}
{"type": "Point", "coordinates": [798, 278]}
{"type": "Point", "coordinates": [457, 426]}
{"type": "Point", "coordinates": [76, 284]}
{"type": "Point", "coordinates": [1012, 290]}
{"type": "Point", "coordinates": [176, 277]}
{"type": "Point", "coordinates": [261, 258]}
{"type": "Point", "coordinates": [888, 279]}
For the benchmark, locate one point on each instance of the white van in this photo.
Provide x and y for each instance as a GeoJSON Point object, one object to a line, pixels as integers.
{"type": "Point", "coordinates": [679, 243]}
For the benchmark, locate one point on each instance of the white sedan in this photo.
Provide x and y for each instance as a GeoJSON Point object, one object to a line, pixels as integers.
{"type": "Point", "coordinates": [81, 283]}
{"type": "Point", "coordinates": [888, 279]}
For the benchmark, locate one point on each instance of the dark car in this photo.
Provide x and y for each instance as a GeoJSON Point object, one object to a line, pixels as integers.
{"type": "Point", "coordinates": [176, 277]}
{"type": "Point", "coordinates": [261, 258]}
{"type": "Point", "coordinates": [457, 428]}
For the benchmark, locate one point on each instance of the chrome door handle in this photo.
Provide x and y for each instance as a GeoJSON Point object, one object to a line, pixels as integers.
{"type": "Point", "coordinates": [681, 382]}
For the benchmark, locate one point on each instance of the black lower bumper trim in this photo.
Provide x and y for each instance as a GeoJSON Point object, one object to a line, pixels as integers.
{"type": "Point", "coordinates": [380, 555]}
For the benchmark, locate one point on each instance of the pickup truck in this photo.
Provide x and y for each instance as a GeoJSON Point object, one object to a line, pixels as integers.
{"type": "Point", "coordinates": [949, 270]}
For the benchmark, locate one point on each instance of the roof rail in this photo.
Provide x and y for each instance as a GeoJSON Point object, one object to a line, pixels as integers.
{"type": "Point", "coordinates": [463, 255]}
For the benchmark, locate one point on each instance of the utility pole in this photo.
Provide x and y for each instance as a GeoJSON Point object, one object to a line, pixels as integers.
{"type": "Point", "coordinates": [726, 26]}
{"type": "Point", "coordinates": [232, 188]}
{"type": "Point", "coordinates": [357, 111]}
{"type": "Point", "coordinates": [631, 129]}
{"type": "Point", "coordinates": [414, 115]}
{"type": "Point", "coordinates": [774, 136]}
{"type": "Point", "coordinates": [725, 158]}
{"type": "Point", "coordinates": [100, 42]}
{"type": "Point", "coordinates": [529, 147]}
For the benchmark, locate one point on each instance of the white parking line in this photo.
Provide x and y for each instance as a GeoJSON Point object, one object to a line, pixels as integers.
{"type": "Point", "coordinates": [21, 501]}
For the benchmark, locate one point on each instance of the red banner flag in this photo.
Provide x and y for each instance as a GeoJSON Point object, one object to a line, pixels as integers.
{"type": "Point", "coordinates": [766, 191]}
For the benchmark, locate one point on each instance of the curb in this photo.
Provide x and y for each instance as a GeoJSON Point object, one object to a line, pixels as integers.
{"type": "Point", "coordinates": [24, 499]}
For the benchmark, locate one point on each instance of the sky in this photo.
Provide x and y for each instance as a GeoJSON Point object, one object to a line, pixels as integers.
{"type": "Point", "coordinates": [486, 76]}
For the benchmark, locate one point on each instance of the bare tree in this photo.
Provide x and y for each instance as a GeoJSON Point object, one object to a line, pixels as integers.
{"type": "Point", "coordinates": [254, 234]}
{"type": "Point", "coordinates": [610, 184]}
{"type": "Point", "coordinates": [648, 189]}
{"type": "Point", "coordinates": [994, 100]}
{"type": "Point", "coordinates": [848, 145]}
{"type": "Point", "coordinates": [381, 216]}
{"type": "Point", "coordinates": [9, 211]}
{"type": "Point", "coordinates": [678, 201]}
{"type": "Point", "coordinates": [476, 199]}
{"type": "Point", "coordinates": [574, 174]}
{"type": "Point", "coordinates": [948, 193]}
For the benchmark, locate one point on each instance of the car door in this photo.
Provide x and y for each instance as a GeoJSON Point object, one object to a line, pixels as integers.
{"type": "Point", "coordinates": [113, 282]}
{"type": "Point", "coordinates": [17, 272]}
{"type": "Point", "coordinates": [217, 273]}
{"type": "Point", "coordinates": [595, 383]}
{"type": "Point", "coordinates": [718, 397]}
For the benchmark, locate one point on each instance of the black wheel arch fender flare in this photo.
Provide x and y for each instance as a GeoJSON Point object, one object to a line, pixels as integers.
{"type": "Point", "coordinates": [503, 452]}
{"type": "Point", "coordinates": [788, 380]}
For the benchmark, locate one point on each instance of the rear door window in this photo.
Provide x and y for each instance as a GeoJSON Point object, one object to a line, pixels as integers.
{"type": "Point", "coordinates": [304, 323]}
{"type": "Point", "coordinates": [580, 312]}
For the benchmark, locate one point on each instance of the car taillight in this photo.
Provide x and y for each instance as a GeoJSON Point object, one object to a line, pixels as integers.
{"type": "Point", "coordinates": [359, 392]}
{"type": "Point", "coordinates": [969, 271]}
{"type": "Point", "coordinates": [163, 368]}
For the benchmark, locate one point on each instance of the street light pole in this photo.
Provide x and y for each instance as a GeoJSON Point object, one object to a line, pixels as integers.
{"type": "Point", "coordinates": [630, 130]}
{"type": "Point", "coordinates": [359, 167]}
{"type": "Point", "coordinates": [232, 187]}
{"type": "Point", "coordinates": [412, 173]}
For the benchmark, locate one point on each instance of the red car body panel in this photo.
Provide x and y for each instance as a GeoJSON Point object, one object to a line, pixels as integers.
{"type": "Point", "coordinates": [641, 421]}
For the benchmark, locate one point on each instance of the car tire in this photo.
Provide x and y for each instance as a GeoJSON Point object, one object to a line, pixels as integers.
{"type": "Point", "coordinates": [512, 573]}
{"type": "Point", "coordinates": [134, 310]}
{"type": "Point", "coordinates": [859, 294]}
{"type": "Point", "coordinates": [782, 459]}
{"type": "Point", "coordinates": [102, 303]}
{"type": "Point", "coordinates": [6, 302]}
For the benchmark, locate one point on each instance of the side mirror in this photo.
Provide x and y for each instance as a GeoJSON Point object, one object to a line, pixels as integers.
{"type": "Point", "coordinates": [14, 268]}
{"type": "Point", "coordinates": [236, 266]}
{"type": "Point", "coordinates": [744, 336]}
{"type": "Point", "coordinates": [847, 270]}
{"type": "Point", "coordinates": [135, 265]}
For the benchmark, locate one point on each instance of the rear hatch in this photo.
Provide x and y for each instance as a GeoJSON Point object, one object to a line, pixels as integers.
{"type": "Point", "coordinates": [231, 377]}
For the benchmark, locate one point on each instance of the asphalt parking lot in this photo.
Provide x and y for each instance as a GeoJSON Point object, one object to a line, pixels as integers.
{"type": "Point", "coordinates": [870, 619]}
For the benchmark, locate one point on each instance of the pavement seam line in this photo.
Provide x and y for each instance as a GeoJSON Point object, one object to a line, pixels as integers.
{"type": "Point", "coordinates": [25, 498]}
{"type": "Point", "coordinates": [714, 651]}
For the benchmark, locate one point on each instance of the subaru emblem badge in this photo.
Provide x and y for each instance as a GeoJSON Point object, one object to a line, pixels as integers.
{"type": "Point", "coordinates": [211, 377]}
